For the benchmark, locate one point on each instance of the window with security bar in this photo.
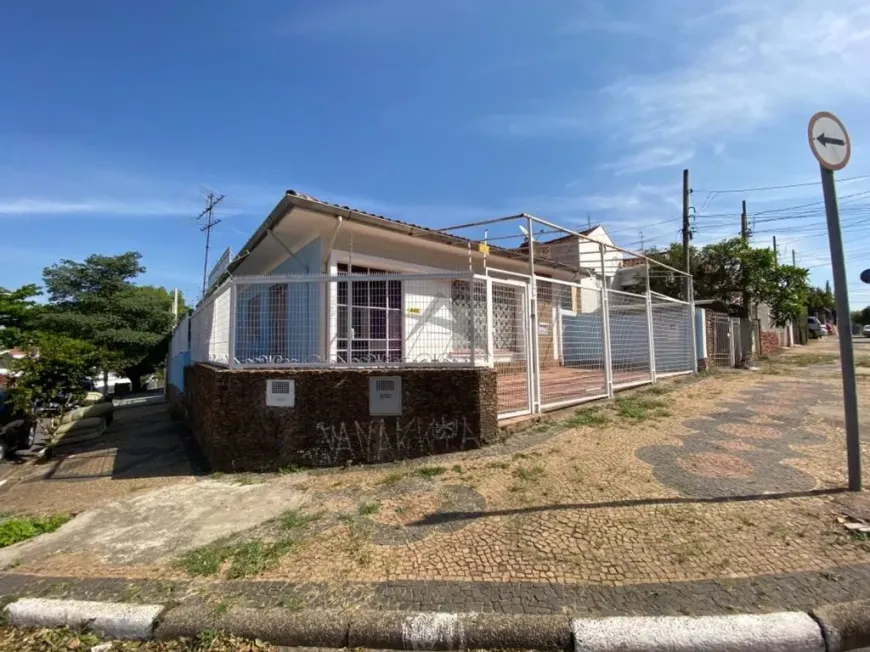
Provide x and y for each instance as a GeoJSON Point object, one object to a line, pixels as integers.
{"type": "Point", "coordinates": [468, 298]}
{"type": "Point", "coordinates": [369, 317]}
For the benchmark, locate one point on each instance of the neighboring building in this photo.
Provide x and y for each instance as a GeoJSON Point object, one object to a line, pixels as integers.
{"type": "Point", "coordinates": [457, 330]}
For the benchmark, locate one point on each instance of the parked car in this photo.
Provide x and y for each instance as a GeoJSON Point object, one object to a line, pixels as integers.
{"type": "Point", "coordinates": [17, 432]}
{"type": "Point", "coordinates": [814, 328]}
{"type": "Point", "coordinates": [866, 330]}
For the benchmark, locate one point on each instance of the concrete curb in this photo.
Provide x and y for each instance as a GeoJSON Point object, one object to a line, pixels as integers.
{"type": "Point", "coordinates": [108, 619]}
{"type": "Point", "coordinates": [778, 632]}
{"type": "Point", "coordinates": [834, 628]}
{"type": "Point", "coordinates": [845, 626]}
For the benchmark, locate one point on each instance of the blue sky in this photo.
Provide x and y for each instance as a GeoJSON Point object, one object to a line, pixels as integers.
{"type": "Point", "coordinates": [118, 118]}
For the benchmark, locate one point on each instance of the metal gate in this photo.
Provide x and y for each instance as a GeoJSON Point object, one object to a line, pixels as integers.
{"type": "Point", "coordinates": [509, 346]}
{"type": "Point", "coordinates": [736, 342]}
{"type": "Point", "coordinates": [721, 337]}
{"type": "Point", "coordinates": [570, 367]}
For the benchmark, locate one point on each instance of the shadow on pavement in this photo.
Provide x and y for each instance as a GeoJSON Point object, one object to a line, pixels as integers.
{"type": "Point", "coordinates": [141, 442]}
{"type": "Point", "coordinates": [448, 517]}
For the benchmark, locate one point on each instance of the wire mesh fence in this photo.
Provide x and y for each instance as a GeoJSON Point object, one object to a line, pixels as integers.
{"type": "Point", "coordinates": [210, 328]}
{"type": "Point", "coordinates": [570, 343]}
{"type": "Point", "coordinates": [629, 338]}
{"type": "Point", "coordinates": [673, 335]}
{"type": "Point", "coordinates": [509, 335]}
{"type": "Point", "coordinates": [552, 342]}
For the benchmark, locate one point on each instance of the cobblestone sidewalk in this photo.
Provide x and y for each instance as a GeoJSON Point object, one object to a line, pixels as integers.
{"type": "Point", "coordinates": [706, 496]}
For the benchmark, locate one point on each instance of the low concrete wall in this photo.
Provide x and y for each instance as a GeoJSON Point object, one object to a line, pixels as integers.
{"type": "Point", "coordinates": [444, 410]}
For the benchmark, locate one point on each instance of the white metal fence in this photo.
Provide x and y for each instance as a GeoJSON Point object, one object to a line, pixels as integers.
{"type": "Point", "coordinates": [553, 343]}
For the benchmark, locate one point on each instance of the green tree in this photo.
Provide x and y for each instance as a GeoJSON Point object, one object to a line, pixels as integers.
{"type": "Point", "coordinates": [862, 317]}
{"type": "Point", "coordinates": [819, 299]}
{"type": "Point", "coordinates": [722, 269]}
{"type": "Point", "coordinates": [51, 377]}
{"type": "Point", "coordinates": [18, 315]}
{"type": "Point", "coordinates": [96, 301]}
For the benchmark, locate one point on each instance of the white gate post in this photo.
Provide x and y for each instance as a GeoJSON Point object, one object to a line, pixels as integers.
{"type": "Point", "coordinates": [605, 327]}
{"type": "Point", "coordinates": [490, 339]}
{"type": "Point", "coordinates": [232, 324]}
{"type": "Point", "coordinates": [691, 285]}
{"type": "Point", "coordinates": [533, 304]}
{"type": "Point", "coordinates": [650, 336]}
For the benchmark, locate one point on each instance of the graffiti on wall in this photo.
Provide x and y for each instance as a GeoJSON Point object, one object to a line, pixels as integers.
{"type": "Point", "coordinates": [382, 440]}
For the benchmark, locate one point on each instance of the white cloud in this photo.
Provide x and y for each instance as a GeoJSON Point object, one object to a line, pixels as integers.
{"type": "Point", "coordinates": [93, 207]}
{"type": "Point", "coordinates": [775, 56]}
{"type": "Point", "coordinates": [749, 62]}
{"type": "Point", "coordinates": [650, 159]}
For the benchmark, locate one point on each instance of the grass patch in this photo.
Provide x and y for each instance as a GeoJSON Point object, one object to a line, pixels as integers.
{"type": "Point", "coordinates": [292, 519]}
{"type": "Point", "coordinates": [245, 559]}
{"type": "Point", "coordinates": [367, 509]}
{"type": "Point", "coordinates": [21, 528]}
{"type": "Point", "coordinates": [859, 536]}
{"type": "Point", "coordinates": [588, 417]}
{"type": "Point", "coordinates": [457, 468]}
{"type": "Point", "coordinates": [862, 362]}
{"type": "Point", "coordinates": [253, 557]}
{"type": "Point", "coordinates": [658, 390]}
{"type": "Point", "coordinates": [431, 471]}
{"type": "Point", "coordinates": [530, 474]}
{"type": "Point", "coordinates": [807, 359]}
{"type": "Point", "coordinates": [543, 427]}
{"type": "Point", "coordinates": [498, 465]}
{"type": "Point", "coordinates": [292, 603]}
{"type": "Point", "coordinates": [391, 479]}
{"type": "Point", "coordinates": [641, 408]}
{"type": "Point", "coordinates": [290, 469]}
{"type": "Point", "coordinates": [358, 543]}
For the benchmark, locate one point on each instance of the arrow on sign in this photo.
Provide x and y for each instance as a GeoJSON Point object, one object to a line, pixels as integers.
{"type": "Point", "coordinates": [825, 140]}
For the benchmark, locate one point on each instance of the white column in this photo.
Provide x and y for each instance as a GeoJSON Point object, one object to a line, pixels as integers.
{"type": "Point", "coordinates": [649, 329]}
{"type": "Point", "coordinates": [605, 327]}
{"type": "Point", "coordinates": [232, 325]}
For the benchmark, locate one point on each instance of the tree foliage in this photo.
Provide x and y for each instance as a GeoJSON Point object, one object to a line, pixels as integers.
{"type": "Point", "coordinates": [819, 299]}
{"type": "Point", "coordinates": [18, 314]}
{"type": "Point", "coordinates": [96, 301]}
{"type": "Point", "coordinates": [722, 270]}
{"type": "Point", "coordinates": [53, 373]}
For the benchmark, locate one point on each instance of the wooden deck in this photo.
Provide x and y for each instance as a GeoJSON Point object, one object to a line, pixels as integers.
{"type": "Point", "coordinates": [557, 384]}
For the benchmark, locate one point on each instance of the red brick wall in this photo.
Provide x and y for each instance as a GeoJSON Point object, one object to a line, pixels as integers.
{"type": "Point", "coordinates": [769, 342]}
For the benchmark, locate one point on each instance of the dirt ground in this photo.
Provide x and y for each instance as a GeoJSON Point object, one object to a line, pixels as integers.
{"type": "Point", "coordinates": [737, 474]}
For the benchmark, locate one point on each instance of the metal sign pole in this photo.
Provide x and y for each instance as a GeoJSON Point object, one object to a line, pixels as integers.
{"type": "Point", "coordinates": [847, 354]}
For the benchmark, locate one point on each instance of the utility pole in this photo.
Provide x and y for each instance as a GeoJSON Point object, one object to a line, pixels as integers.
{"type": "Point", "coordinates": [775, 253]}
{"type": "Point", "coordinates": [687, 233]}
{"type": "Point", "coordinates": [210, 223]}
{"type": "Point", "coordinates": [744, 233]}
{"type": "Point", "coordinates": [793, 258]}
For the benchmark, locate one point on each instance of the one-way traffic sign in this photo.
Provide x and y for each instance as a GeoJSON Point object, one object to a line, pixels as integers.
{"type": "Point", "coordinates": [829, 141]}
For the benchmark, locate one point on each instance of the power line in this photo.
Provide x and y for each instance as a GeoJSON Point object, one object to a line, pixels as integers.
{"type": "Point", "coordinates": [784, 187]}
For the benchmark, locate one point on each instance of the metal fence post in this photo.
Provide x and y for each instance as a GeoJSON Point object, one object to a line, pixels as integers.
{"type": "Point", "coordinates": [649, 329]}
{"type": "Point", "coordinates": [533, 303]}
{"type": "Point", "coordinates": [605, 327]}
{"type": "Point", "coordinates": [691, 286]}
{"type": "Point", "coordinates": [490, 337]}
{"type": "Point", "coordinates": [473, 295]}
{"type": "Point", "coordinates": [232, 325]}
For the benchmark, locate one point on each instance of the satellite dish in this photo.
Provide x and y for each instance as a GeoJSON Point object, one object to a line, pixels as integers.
{"type": "Point", "coordinates": [526, 233]}
{"type": "Point", "coordinates": [865, 276]}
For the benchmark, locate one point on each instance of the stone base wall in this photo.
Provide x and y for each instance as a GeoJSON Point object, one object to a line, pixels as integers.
{"type": "Point", "coordinates": [443, 411]}
{"type": "Point", "coordinates": [175, 402]}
